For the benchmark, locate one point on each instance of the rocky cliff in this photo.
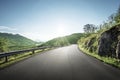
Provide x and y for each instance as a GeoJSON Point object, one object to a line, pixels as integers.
{"type": "Point", "coordinates": [109, 42]}
{"type": "Point", "coordinates": [105, 44]}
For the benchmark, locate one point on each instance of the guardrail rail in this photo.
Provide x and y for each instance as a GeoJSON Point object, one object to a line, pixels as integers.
{"type": "Point", "coordinates": [7, 54]}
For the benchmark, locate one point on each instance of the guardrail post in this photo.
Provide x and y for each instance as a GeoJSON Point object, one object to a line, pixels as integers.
{"type": "Point", "coordinates": [33, 51]}
{"type": "Point", "coordinates": [6, 59]}
{"type": "Point", "coordinates": [6, 55]}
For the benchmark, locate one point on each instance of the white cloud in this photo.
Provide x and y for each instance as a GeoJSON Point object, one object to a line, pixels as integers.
{"type": "Point", "coordinates": [7, 28]}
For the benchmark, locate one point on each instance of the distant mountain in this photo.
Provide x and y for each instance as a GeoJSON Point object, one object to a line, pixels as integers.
{"type": "Point", "coordinates": [11, 42]}
{"type": "Point", "coordinates": [15, 41]}
{"type": "Point", "coordinates": [64, 41]}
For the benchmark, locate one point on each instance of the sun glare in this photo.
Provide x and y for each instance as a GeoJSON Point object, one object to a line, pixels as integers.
{"type": "Point", "coordinates": [61, 29]}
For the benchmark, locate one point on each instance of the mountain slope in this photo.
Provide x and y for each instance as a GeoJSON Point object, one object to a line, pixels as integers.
{"type": "Point", "coordinates": [16, 41]}
{"type": "Point", "coordinates": [64, 41]}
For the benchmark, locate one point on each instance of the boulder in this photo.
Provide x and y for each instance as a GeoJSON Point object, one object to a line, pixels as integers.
{"type": "Point", "coordinates": [107, 43]}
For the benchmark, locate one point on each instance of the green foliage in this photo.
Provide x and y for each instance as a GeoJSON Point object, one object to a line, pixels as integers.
{"type": "Point", "coordinates": [112, 61]}
{"type": "Point", "coordinates": [89, 42]}
{"type": "Point", "coordinates": [89, 28]}
{"type": "Point", "coordinates": [15, 42]}
{"type": "Point", "coordinates": [3, 44]}
{"type": "Point", "coordinates": [72, 39]}
{"type": "Point", "coordinates": [117, 16]}
{"type": "Point", "coordinates": [113, 20]}
{"type": "Point", "coordinates": [18, 57]}
{"type": "Point", "coordinates": [64, 41]}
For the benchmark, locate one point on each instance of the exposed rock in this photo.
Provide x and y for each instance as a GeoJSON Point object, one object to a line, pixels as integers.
{"type": "Point", "coordinates": [108, 41]}
{"type": "Point", "coordinates": [118, 50]}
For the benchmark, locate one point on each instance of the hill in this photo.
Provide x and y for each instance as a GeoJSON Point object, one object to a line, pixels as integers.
{"type": "Point", "coordinates": [14, 42]}
{"type": "Point", "coordinates": [64, 41]}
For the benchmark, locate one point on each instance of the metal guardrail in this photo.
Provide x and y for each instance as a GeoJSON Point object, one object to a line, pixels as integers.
{"type": "Point", "coordinates": [2, 55]}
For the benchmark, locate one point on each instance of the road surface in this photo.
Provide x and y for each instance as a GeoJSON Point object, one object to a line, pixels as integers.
{"type": "Point", "coordinates": [66, 63]}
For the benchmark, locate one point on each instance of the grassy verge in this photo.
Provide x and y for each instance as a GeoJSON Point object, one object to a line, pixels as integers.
{"type": "Point", "coordinates": [16, 58]}
{"type": "Point", "coordinates": [111, 61]}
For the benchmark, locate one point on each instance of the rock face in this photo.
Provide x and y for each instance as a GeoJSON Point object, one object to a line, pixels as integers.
{"type": "Point", "coordinates": [118, 50]}
{"type": "Point", "coordinates": [107, 45]}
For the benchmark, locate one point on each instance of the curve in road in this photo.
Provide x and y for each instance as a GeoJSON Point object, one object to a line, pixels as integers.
{"type": "Point", "coordinates": [66, 63]}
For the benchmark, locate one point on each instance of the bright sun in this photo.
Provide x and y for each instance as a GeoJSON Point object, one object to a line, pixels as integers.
{"type": "Point", "coordinates": [61, 30]}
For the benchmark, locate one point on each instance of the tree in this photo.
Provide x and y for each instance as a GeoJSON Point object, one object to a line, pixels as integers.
{"type": "Point", "coordinates": [89, 28]}
{"type": "Point", "coordinates": [117, 16]}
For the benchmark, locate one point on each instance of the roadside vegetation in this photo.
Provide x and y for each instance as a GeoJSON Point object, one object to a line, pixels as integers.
{"type": "Point", "coordinates": [15, 42]}
{"type": "Point", "coordinates": [18, 57]}
{"type": "Point", "coordinates": [109, 60]}
{"type": "Point", "coordinates": [103, 41]}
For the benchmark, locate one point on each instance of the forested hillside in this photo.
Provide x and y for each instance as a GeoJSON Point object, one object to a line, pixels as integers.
{"type": "Point", "coordinates": [64, 41]}
{"type": "Point", "coordinates": [10, 42]}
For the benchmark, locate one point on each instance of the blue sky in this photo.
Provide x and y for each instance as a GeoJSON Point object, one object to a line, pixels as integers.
{"type": "Point", "coordinates": [46, 19]}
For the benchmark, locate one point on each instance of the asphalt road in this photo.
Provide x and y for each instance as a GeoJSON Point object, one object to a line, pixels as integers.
{"type": "Point", "coordinates": [66, 63]}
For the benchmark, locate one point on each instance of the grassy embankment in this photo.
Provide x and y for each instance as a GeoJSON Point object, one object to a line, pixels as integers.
{"type": "Point", "coordinates": [16, 58]}
{"type": "Point", "coordinates": [89, 45]}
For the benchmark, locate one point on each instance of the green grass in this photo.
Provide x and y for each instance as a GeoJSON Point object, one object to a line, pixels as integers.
{"type": "Point", "coordinates": [111, 61]}
{"type": "Point", "coordinates": [16, 58]}
{"type": "Point", "coordinates": [13, 59]}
